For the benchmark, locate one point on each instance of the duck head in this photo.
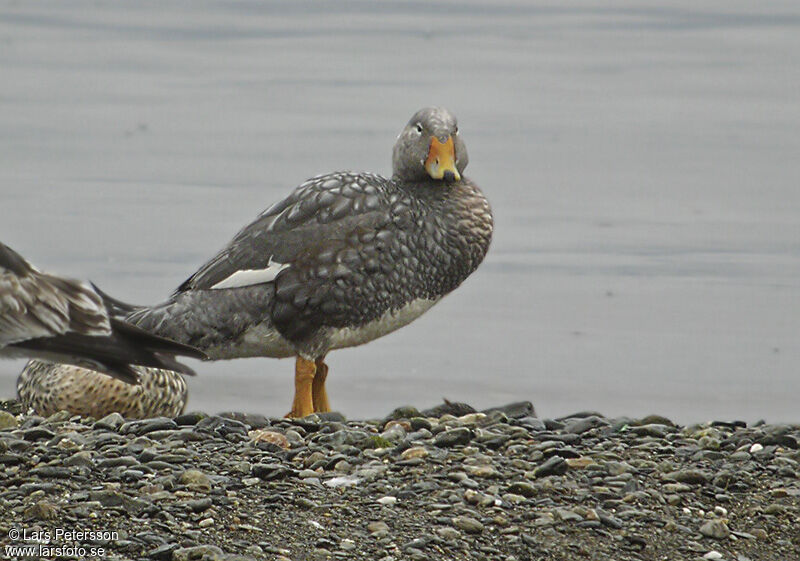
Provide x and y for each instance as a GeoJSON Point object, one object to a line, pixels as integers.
{"type": "Point", "coordinates": [430, 148]}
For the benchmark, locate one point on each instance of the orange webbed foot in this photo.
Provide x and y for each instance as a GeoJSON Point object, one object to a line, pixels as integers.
{"type": "Point", "coordinates": [304, 376]}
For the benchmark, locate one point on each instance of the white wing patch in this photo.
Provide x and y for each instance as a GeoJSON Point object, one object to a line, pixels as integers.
{"type": "Point", "coordinates": [249, 277]}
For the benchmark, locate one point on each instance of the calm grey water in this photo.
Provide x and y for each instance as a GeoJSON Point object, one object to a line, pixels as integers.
{"type": "Point", "coordinates": [641, 158]}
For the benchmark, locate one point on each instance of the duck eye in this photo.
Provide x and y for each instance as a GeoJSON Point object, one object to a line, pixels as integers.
{"type": "Point", "coordinates": [419, 128]}
{"type": "Point", "coordinates": [455, 131]}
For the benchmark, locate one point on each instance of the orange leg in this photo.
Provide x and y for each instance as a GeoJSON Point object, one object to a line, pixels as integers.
{"type": "Point", "coordinates": [319, 394]}
{"type": "Point", "coordinates": [303, 403]}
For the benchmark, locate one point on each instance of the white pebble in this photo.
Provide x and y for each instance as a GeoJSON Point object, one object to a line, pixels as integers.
{"type": "Point", "coordinates": [342, 481]}
{"type": "Point", "coordinates": [388, 501]}
{"type": "Point", "coordinates": [720, 511]}
{"type": "Point", "coordinates": [712, 555]}
{"type": "Point", "coordinates": [756, 448]}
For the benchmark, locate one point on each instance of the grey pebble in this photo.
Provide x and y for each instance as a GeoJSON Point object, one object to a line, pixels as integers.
{"type": "Point", "coordinates": [454, 437]}
{"type": "Point", "coordinates": [716, 529]}
{"type": "Point", "coordinates": [468, 524]}
{"type": "Point", "coordinates": [555, 465]}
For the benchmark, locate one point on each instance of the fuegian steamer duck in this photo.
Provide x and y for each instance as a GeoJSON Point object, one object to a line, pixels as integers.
{"type": "Point", "coordinates": [344, 259]}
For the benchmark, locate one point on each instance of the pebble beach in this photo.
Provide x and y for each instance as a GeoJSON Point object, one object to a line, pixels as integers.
{"type": "Point", "coordinates": [445, 483]}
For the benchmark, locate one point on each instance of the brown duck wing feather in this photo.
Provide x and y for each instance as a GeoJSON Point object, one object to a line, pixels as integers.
{"type": "Point", "coordinates": [67, 320]}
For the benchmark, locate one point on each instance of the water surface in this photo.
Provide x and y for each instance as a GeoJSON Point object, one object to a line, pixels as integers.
{"type": "Point", "coordinates": [641, 161]}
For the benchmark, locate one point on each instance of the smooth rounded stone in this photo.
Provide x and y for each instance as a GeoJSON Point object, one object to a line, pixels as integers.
{"type": "Point", "coordinates": [585, 424]}
{"type": "Point", "coordinates": [472, 419]}
{"type": "Point", "coordinates": [253, 420]}
{"type": "Point", "coordinates": [196, 505]}
{"type": "Point", "coordinates": [332, 417]}
{"type": "Point", "coordinates": [467, 524]}
{"type": "Point", "coordinates": [582, 462]}
{"type": "Point", "coordinates": [546, 445]}
{"type": "Point", "coordinates": [470, 483]}
{"type": "Point", "coordinates": [42, 510]}
{"type": "Point", "coordinates": [190, 419]}
{"type": "Point", "coordinates": [713, 555]}
{"type": "Point", "coordinates": [709, 443]}
{"type": "Point", "coordinates": [523, 488]}
{"type": "Point", "coordinates": [110, 498]}
{"type": "Point", "coordinates": [343, 466]}
{"type": "Point", "coordinates": [562, 451]}
{"type": "Point", "coordinates": [555, 465]}
{"type": "Point", "coordinates": [544, 519]}
{"type": "Point", "coordinates": [692, 476]}
{"type": "Point", "coordinates": [195, 480]}
{"type": "Point", "coordinates": [607, 519]}
{"type": "Point", "coordinates": [567, 515]}
{"type": "Point", "coordinates": [8, 421]}
{"type": "Point", "coordinates": [271, 471]}
{"type": "Point", "coordinates": [453, 437]}
{"type": "Point", "coordinates": [716, 529]}
{"type": "Point", "coordinates": [617, 468]}
{"type": "Point", "coordinates": [394, 433]}
{"type": "Point", "coordinates": [37, 433]}
{"type": "Point", "coordinates": [476, 498]}
{"type": "Point", "coordinates": [513, 499]}
{"type": "Point", "coordinates": [415, 452]}
{"type": "Point", "coordinates": [387, 501]}
{"type": "Point", "coordinates": [755, 448]}
{"type": "Point", "coordinates": [269, 436]}
{"type": "Point", "coordinates": [418, 423]}
{"type": "Point", "coordinates": [378, 527]}
{"type": "Point", "coordinates": [221, 426]}
{"type": "Point", "coordinates": [10, 459]}
{"type": "Point", "coordinates": [515, 410]}
{"type": "Point", "coordinates": [447, 533]}
{"type": "Point", "coordinates": [118, 461]}
{"type": "Point", "coordinates": [403, 412]}
{"type": "Point", "coordinates": [144, 426]}
{"type": "Point", "coordinates": [726, 479]}
{"type": "Point", "coordinates": [457, 476]}
{"type": "Point", "coordinates": [765, 453]}
{"type": "Point", "coordinates": [534, 424]}
{"type": "Point", "coordinates": [81, 458]}
{"type": "Point", "coordinates": [31, 421]}
{"type": "Point", "coordinates": [775, 509]}
{"type": "Point", "coordinates": [198, 553]}
{"type": "Point", "coordinates": [58, 417]}
{"type": "Point", "coordinates": [112, 421]}
{"type": "Point", "coordinates": [454, 408]}
{"type": "Point", "coordinates": [56, 472]}
{"type": "Point", "coordinates": [163, 552]}
{"type": "Point", "coordinates": [483, 471]}
{"type": "Point", "coordinates": [652, 429]}
{"type": "Point", "coordinates": [170, 458]}
{"type": "Point", "coordinates": [656, 420]}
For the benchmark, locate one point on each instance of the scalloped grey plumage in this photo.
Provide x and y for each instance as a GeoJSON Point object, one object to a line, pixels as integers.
{"type": "Point", "coordinates": [360, 255]}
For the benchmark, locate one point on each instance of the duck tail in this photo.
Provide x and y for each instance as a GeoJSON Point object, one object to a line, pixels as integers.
{"type": "Point", "coordinates": [115, 307]}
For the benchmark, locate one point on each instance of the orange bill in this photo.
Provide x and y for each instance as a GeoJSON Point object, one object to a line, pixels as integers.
{"type": "Point", "coordinates": [441, 162]}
